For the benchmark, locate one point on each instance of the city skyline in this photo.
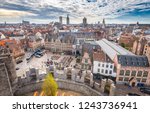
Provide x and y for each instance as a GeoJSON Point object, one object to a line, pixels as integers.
{"type": "Point", "coordinates": [99, 59]}
{"type": "Point", "coordinates": [44, 11]}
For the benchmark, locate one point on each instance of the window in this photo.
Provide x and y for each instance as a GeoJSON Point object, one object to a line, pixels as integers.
{"type": "Point", "coordinates": [103, 65]}
{"type": "Point", "coordinates": [120, 78]}
{"type": "Point", "coordinates": [110, 72]}
{"type": "Point", "coordinates": [99, 64]}
{"type": "Point", "coordinates": [144, 80]}
{"type": "Point", "coordinates": [126, 79]}
{"type": "Point", "coordinates": [107, 66]}
{"type": "Point", "coordinates": [139, 74]}
{"type": "Point", "coordinates": [111, 66]}
{"type": "Point", "coordinates": [145, 74]}
{"type": "Point", "coordinates": [106, 71]}
{"type": "Point", "coordinates": [86, 60]}
{"type": "Point", "coordinates": [133, 73]}
{"type": "Point", "coordinates": [98, 70]}
{"type": "Point", "coordinates": [122, 72]}
{"type": "Point", "coordinates": [102, 71]}
{"type": "Point", "coordinates": [127, 73]}
{"type": "Point", "coordinates": [138, 79]}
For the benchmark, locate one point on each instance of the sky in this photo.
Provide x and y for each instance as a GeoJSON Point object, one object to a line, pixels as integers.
{"type": "Point", "coordinates": [45, 11]}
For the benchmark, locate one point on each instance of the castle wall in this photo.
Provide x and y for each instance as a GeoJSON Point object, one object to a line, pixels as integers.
{"type": "Point", "coordinates": [7, 72]}
{"type": "Point", "coordinates": [62, 84]}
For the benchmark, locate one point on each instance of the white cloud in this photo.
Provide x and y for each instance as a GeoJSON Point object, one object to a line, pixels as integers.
{"type": "Point", "coordinates": [81, 8]}
{"type": "Point", "coordinates": [14, 13]}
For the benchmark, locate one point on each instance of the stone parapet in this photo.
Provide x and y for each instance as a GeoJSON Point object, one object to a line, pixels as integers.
{"type": "Point", "coordinates": [62, 84]}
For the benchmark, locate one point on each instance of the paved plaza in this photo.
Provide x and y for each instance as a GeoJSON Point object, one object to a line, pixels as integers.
{"type": "Point", "coordinates": [40, 63]}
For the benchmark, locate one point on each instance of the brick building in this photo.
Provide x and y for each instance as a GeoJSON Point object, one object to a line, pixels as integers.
{"type": "Point", "coordinates": [127, 40]}
{"type": "Point", "coordinates": [59, 44]}
{"type": "Point", "coordinates": [138, 46]}
{"type": "Point", "coordinates": [128, 66]}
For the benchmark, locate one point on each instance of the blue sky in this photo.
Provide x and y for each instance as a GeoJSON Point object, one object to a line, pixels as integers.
{"type": "Point", "coordinates": [45, 11]}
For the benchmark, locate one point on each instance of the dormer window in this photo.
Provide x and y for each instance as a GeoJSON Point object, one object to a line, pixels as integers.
{"type": "Point", "coordinates": [86, 60]}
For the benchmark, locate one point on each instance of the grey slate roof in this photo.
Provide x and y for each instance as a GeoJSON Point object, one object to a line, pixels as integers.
{"type": "Point", "coordinates": [129, 60]}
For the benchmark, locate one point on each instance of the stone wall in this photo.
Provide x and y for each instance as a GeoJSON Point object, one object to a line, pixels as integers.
{"type": "Point", "coordinates": [28, 88]}
{"type": "Point", "coordinates": [78, 87]}
{"type": "Point", "coordinates": [109, 82]}
{"type": "Point", "coordinates": [4, 82]}
{"type": "Point", "coordinates": [7, 72]}
{"type": "Point", "coordinates": [9, 62]}
{"type": "Point", "coordinates": [62, 84]}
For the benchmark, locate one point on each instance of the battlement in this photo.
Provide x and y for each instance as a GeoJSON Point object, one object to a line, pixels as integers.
{"type": "Point", "coordinates": [4, 51]}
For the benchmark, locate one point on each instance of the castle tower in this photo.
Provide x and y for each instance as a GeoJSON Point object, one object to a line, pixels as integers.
{"type": "Point", "coordinates": [7, 72]}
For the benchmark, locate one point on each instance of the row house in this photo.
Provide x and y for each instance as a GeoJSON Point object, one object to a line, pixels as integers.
{"type": "Point", "coordinates": [59, 44]}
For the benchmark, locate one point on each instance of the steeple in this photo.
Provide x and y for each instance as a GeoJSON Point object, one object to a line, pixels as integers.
{"type": "Point", "coordinates": [137, 25]}
{"type": "Point", "coordinates": [104, 25]}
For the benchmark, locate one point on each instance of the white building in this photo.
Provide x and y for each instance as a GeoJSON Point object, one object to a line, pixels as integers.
{"type": "Point", "coordinates": [102, 66]}
{"type": "Point", "coordinates": [2, 36]}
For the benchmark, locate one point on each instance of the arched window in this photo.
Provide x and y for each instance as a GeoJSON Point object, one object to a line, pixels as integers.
{"type": "Point", "coordinates": [121, 72]}
{"type": "Point", "coordinates": [133, 73]}
{"type": "Point", "coordinates": [127, 73]}
{"type": "Point", "coordinates": [139, 74]}
{"type": "Point", "coordinates": [145, 74]}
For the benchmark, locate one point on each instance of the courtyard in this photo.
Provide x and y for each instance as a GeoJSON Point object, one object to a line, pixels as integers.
{"type": "Point", "coordinates": [41, 63]}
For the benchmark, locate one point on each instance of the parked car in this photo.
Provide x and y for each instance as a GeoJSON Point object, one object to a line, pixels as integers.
{"type": "Point", "coordinates": [28, 58]}
{"type": "Point", "coordinates": [39, 53]}
{"type": "Point", "coordinates": [17, 68]}
{"type": "Point", "coordinates": [145, 90]}
{"type": "Point", "coordinates": [18, 62]}
{"type": "Point", "coordinates": [37, 56]}
{"type": "Point", "coordinates": [140, 85]}
{"type": "Point", "coordinates": [38, 50]}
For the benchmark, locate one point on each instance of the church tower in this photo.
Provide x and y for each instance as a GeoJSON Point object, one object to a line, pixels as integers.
{"type": "Point", "coordinates": [68, 20]}
{"type": "Point", "coordinates": [104, 25]}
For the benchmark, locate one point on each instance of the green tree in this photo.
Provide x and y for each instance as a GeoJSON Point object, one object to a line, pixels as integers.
{"type": "Point", "coordinates": [49, 86]}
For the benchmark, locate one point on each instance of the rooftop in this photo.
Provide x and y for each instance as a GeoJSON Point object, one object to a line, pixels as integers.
{"type": "Point", "coordinates": [99, 56]}
{"type": "Point", "coordinates": [138, 61]}
{"type": "Point", "coordinates": [112, 49]}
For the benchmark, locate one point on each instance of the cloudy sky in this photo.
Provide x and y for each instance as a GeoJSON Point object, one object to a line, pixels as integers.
{"type": "Point", "coordinates": [45, 11]}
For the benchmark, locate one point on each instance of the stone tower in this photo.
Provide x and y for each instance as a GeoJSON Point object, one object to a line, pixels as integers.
{"type": "Point", "coordinates": [84, 21]}
{"type": "Point", "coordinates": [7, 72]}
{"type": "Point", "coordinates": [60, 20]}
{"type": "Point", "coordinates": [68, 20]}
{"type": "Point", "coordinates": [104, 24]}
